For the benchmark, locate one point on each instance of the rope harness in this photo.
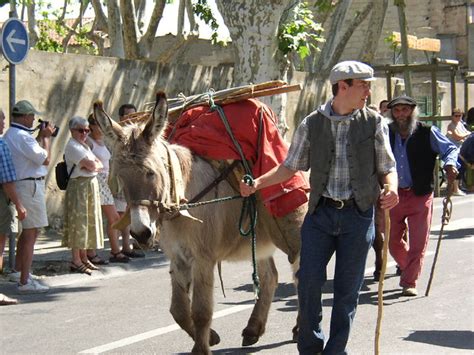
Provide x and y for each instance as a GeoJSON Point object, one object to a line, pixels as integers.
{"type": "Point", "coordinates": [249, 205]}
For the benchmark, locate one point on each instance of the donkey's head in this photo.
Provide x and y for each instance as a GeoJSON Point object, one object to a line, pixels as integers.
{"type": "Point", "coordinates": [140, 164]}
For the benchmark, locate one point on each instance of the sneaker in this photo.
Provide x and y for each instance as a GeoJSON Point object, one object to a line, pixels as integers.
{"type": "Point", "coordinates": [16, 275]}
{"type": "Point", "coordinates": [459, 193]}
{"type": "Point", "coordinates": [32, 286]}
{"type": "Point", "coordinates": [409, 291]}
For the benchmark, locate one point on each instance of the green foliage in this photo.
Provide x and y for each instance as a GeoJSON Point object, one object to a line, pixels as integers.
{"type": "Point", "coordinates": [302, 34]}
{"type": "Point", "coordinates": [390, 40]}
{"type": "Point", "coordinates": [324, 5]}
{"type": "Point", "coordinates": [202, 9]}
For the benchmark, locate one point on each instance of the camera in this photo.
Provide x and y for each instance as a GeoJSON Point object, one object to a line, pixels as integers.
{"type": "Point", "coordinates": [43, 124]}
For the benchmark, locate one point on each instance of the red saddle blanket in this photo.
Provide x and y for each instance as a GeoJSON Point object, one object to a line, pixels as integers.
{"type": "Point", "coordinates": [202, 130]}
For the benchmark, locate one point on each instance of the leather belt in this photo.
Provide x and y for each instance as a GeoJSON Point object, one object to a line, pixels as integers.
{"type": "Point", "coordinates": [404, 188]}
{"type": "Point", "coordinates": [338, 204]}
{"type": "Point", "coordinates": [34, 179]}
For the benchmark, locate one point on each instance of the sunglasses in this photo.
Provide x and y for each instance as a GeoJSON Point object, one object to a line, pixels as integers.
{"type": "Point", "coordinates": [82, 130]}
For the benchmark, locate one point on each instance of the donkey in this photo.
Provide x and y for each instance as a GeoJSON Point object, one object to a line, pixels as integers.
{"type": "Point", "coordinates": [143, 162]}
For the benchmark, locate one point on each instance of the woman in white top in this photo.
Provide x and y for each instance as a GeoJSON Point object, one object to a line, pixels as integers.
{"type": "Point", "coordinates": [457, 132]}
{"type": "Point", "coordinates": [82, 216]}
{"type": "Point", "coordinates": [97, 145]}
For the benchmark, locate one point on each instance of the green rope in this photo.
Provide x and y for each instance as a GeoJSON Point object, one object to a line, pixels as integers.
{"type": "Point", "coordinates": [249, 205]}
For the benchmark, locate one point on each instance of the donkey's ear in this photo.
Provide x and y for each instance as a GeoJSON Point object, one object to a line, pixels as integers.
{"type": "Point", "coordinates": [111, 129]}
{"type": "Point", "coordinates": [158, 119]}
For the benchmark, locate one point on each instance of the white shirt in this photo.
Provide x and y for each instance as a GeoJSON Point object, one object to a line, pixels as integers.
{"type": "Point", "coordinates": [28, 156]}
{"type": "Point", "coordinates": [73, 154]}
{"type": "Point", "coordinates": [102, 153]}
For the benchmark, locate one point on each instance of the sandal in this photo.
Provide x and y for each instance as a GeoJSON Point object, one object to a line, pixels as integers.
{"type": "Point", "coordinates": [90, 265]}
{"type": "Point", "coordinates": [133, 254]}
{"type": "Point", "coordinates": [118, 258]}
{"type": "Point", "coordinates": [97, 260]}
{"type": "Point", "coordinates": [7, 301]}
{"type": "Point", "coordinates": [82, 269]}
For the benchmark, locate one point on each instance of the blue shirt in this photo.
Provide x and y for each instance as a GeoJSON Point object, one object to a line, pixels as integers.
{"type": "Point", "coordinates": [7, 170]}
{"type": "Point", "coordinates": [439, 143]}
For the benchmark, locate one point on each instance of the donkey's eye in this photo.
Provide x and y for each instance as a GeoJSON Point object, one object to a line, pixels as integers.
{"type": "Point", "coordinates": [150, 174]}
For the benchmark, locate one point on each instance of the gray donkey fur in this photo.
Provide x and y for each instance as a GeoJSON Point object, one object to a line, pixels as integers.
{"type": "Point", "coordinates": [141, 163]}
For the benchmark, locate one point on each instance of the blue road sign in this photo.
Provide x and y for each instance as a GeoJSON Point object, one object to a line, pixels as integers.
{"type": "Point", "coordinates": [14, 41]}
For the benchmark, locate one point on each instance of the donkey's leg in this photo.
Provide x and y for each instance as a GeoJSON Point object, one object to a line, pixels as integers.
{"type": "Point", "coordinates": [255, 328]}
{"type": "Point", "coordinates": [202, 305]}
{"type": "Point", "coordinates": [180, 308]}
{"type": "Point", "coordinates": [290, 228]}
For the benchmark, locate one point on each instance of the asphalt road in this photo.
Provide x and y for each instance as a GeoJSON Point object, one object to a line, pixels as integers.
{"type": "Point", "coordinates": [127, 313]}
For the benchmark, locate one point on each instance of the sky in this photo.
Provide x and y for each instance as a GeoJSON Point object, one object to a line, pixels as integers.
{"type": "Point", "coordinates": [168, 23]}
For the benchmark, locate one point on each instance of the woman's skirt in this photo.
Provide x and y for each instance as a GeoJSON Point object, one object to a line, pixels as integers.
{"type": "Point", "coordinates": [106, 197]}
{"type": "Point", "coordinates": [83, 228]}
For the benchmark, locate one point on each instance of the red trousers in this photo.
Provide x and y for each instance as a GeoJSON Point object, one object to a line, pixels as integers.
{"type": "Point", "coordinates": [412, 214]}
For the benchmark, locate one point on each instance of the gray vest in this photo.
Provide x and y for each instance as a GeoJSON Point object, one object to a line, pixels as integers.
{"type": "Point", "coordinates": [360, 154]}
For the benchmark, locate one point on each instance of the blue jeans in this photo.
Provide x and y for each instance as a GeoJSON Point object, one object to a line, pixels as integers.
{"type": "Point", "coordinates": [348, 232]}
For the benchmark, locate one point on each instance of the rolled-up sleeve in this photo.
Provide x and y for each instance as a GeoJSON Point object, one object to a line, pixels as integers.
{"type": "Point", "coordinates": [298, 157]}
{"type": "Point", "coordinates": [385, 160]}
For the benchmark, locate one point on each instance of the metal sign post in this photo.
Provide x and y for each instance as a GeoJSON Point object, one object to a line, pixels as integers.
{"type": "Point", "coordinates": [14, 44]}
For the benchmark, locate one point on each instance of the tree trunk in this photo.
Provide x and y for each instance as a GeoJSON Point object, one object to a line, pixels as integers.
{"type": "Point", "coordinates": [130, 38]}
{"type": "Point", "coordinates": [346, 36]}
{"type": "Point", "coordinates": [193, 27]}
{"type": "Point", "coordinates": [337, 22]}
{"type": "Point", "coordinates": [374, 31]}
{"type": "Point", "coordinates": [33, 31]}
{"type": "Point", "coordinates": [115, 30]}
{"type": "Point", "coordinates": [180, 28]}
{"type": "Point", "coordinates": [253, 28]}
{"type": "Point", "coordinates": [146, 42]}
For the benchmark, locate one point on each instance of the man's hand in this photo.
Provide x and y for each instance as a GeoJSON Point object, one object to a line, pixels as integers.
{"type": "Point", "coordinates": [47, 130]}
{"type": "Point", "coordinates": [388, 199]}
{"type": "Point", "coordinates": [451, 172]}
{"type": "Point", "coordinates": [21, 211]}
{"type": "Point", "coordinates": [247, 190]}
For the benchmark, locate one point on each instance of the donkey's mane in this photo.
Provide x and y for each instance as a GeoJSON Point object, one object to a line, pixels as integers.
{"type": "Point", "coordinates": [134, 148]}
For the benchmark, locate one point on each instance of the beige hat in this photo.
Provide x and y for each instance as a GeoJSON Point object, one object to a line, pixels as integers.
{"type": "Point", "coordinates": [24, 107]}
{"type": "Point", "coordinates": [351, 69]}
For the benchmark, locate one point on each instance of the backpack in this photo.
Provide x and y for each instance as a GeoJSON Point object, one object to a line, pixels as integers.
{"type": "Point", "coordinates": [62, 175]}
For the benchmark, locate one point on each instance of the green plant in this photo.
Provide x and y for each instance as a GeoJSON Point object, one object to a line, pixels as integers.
{"type": "Point", "coordinates": [302, 34]}
{"type": "Point", "coordinates": [202, 9]}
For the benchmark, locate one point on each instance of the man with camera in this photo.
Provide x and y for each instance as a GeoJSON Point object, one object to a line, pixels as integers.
{"type": "Point", "coordinates": [30, 158]}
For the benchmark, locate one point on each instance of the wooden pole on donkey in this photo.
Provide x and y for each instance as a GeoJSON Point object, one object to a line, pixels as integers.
{"type": "Point", "coordinates": [382, 275]}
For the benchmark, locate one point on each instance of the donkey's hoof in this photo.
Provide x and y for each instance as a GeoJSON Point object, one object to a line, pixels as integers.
{"type": "Point", "coordinates": [248, 340]}
{"type": "Point", "coordinates": [214, 338]}
{"type": "Point", "coordinates": [200, 351]}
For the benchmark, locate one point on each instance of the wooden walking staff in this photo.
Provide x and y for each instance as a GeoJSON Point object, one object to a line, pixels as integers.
{"type": "Point", "coordinates": [382, 273]}
{"type": "Point", "coordinates": [447, 209]}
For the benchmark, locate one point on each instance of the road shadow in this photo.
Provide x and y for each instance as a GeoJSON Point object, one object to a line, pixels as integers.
{"type": "Point", "coordinates": [455, 339]}
{"type": "Point", "coordinates": [54, 293]}
{"type": "Point", "coordinates": [248, 350]}
{"type": "Point", "coordinates": [453, 234]}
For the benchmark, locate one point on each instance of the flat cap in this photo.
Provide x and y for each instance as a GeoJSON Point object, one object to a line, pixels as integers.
{"type": "Point", "coordinates": [351, 69]}
{"type": "Point", "coordinates": [402, 100]}
{"type": "Point", "coordinates": [24, 107]}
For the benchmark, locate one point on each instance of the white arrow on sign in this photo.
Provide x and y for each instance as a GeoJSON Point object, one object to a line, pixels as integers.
{"type": "Point", "coordinates": [11, 40]}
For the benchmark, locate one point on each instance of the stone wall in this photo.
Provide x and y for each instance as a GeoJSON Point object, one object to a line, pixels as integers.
{"type": "Point", "coordinates": [63, 85]}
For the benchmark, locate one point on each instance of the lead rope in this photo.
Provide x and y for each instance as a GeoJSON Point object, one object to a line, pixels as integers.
{"type": "Point", "coordinates": [249, 204]}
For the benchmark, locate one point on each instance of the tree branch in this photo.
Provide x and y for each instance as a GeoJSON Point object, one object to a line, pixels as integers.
{"type": "Point", "coordinates": [146, 42]}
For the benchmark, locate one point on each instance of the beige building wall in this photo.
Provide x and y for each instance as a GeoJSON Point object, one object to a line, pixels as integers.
{"type": "Point", "coordinates": [63, 85]}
